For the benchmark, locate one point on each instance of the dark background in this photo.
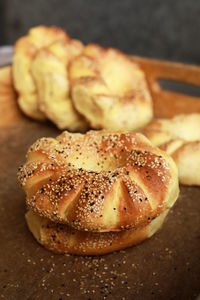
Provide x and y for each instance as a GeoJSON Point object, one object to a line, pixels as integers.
{"type": "Point", "coordinates": [167, 29]}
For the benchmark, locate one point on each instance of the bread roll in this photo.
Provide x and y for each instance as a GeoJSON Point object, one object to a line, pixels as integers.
{"type": "Point", "coordinates": [109, 89]}
{"type": "Point", "coordinates": [180, 138]}
{"type": "Point", "coordinates": [62, 239]}
{"type": "Point", "coordinates": [50, 73]}
{"type": "Point", "coordinates": [25, 50]}
{"type": "Point", "coordinates": [101, 181]}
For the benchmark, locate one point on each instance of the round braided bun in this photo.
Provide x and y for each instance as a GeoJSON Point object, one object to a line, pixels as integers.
{"type": "Point", "coordinates": [50, 73]}
{"type": "Point", "coordinates": [109, 89]}
{"type": "Point", "coordinates": [100, 182]}
{"type": "Point", "coordinates": [61, 238]}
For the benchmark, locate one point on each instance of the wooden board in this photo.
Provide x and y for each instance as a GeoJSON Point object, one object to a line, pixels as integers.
{"type": "Point", "coordinates": [167, 266]}
{"type": "Point", "coordinates": [9, 111]}
{"type": "Point", "coordinates": [169, 103]}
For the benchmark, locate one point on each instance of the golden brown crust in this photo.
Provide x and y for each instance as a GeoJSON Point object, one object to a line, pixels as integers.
{"type": "Point", "coordinates": [101, 181]}
{"type": "Point", "coordinates": [180, 138]}
{"type": "Point", "coordinates": [61, 238]}
{"type": "Point", "coordinates": [109, 89]}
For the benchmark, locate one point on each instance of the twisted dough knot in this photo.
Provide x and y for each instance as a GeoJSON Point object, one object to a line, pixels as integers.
{"type": "Point", "coordinates": [180, 138]}
{"type": "Point", "coordinates": [101, 181]}
{"type": "Point", "coordinates": [109, 89]}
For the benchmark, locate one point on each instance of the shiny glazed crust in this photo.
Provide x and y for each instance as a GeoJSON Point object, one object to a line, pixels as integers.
{"type": "Point", "coordinates": [61, 238]}
{"type": "Point", "coordinates": [109, 89]}
{"type": "Point", "coordinates": [180, 138]}
{"type": "Point", "coordinates": [101, 181]}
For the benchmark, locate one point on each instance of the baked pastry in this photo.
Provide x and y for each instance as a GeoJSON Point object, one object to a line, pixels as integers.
{"type": "Point", "coordinates": [50, 73]}
{"type": "Point", "coordinates": [61, 238]}
{"type": "Point", "coordinates": [24, 51]}
{"type": "Point", "coordinates": [101, 181]}
{"type": "Point", "coordinates": [180, 138]}
{"type": "Point", "coordinates": [109, 89]}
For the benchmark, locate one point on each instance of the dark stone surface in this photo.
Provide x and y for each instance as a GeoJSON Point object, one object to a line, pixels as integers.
{"type": "Point", "coordinates": [162, 29]}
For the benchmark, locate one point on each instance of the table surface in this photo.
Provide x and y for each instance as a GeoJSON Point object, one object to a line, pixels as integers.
{"type": "Point", "coordinates": [167, 266]}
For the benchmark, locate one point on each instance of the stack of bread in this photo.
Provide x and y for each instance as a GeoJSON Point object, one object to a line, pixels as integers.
{"type": "Point", "coordinates": [77, 86]}
{"type": "Point", "coordinates": [97, 192]}
{"type": "Point", "coordinates": [105, 190]}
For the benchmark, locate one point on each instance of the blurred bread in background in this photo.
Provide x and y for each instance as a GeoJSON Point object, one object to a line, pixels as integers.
{"type": "Point", "coordinates": [25, 50]}
{"type": "Point", "coordinates": [180, 138]}
{"type": "Point", "coordinates": [74, 86]}
{"type": "Point", "coordinates": [50, 73]}
{"type": "Point", "coordinates": [110, 90]}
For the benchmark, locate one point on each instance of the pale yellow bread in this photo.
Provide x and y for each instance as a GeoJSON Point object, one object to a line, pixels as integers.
{"type": "Point", "coordinates": [109, 89]}
{"type": "Point", "coordinates": [180, 138]}
{"type": "Point", "coordinates": [101, 181]}
{"type": "Point", "coordinates": [61, 238]}
{"type": "Point", "coordinates": [187, 158]}
{"type": "Point", "coordinates": [50, 73]}
{"type": "Point", "coordinates": [24, 52]}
